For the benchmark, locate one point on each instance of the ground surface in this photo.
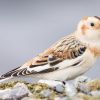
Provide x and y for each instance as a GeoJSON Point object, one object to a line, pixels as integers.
{"type": "Point", "coordinates": [82, 88]}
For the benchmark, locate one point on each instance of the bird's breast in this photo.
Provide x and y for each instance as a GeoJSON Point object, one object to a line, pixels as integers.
{"type": "Point", "coordinates": [95, 51]}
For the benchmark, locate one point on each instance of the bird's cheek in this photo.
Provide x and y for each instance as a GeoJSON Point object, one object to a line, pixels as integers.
{"type": "Point", "coordinates": [84, 28]}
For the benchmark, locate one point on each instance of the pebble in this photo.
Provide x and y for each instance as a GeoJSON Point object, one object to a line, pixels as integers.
{"type": "Point", "coordinates": [20, 90]}
{"type": "Point", "coordinates": [61, 98]}
{"type": "Point", "coordinates": [95, 93]}
{"type": "Point", "coordinates": [46, 93]}
{"type": "Point", "coordinates": [81, 79]}
{"type": "Point", "coordinates": [59, 88]}
{"type": "Point", "coordinates": [50, 83]}
{"type": "Point", "coordinates": [80, 84]}
{"type": "Point", "coordinates": [28, 98]}
{"type": "Point", "coordinates": [70, 89]}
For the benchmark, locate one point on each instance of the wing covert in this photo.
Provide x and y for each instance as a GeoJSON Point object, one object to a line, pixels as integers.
{"type": "Point", "coordinates": [67, 48]}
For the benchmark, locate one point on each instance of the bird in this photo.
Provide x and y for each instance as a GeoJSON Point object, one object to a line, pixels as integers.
{"type": "Point", "coordinates": [68, 58]}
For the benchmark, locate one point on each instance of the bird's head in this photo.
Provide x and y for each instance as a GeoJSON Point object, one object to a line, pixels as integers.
{"type": "Point", "coordinates": [89, 29]}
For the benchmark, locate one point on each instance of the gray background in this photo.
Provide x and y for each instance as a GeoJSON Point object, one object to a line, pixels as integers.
{"type": "Point", "coordinates": [27, 27]}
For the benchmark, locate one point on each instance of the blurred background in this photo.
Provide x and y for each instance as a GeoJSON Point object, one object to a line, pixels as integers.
{"type": "Point", "coordinates": [28, 27]}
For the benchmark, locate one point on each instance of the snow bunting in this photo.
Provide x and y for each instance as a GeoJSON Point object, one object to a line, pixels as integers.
{"type": "Point", "coordinates": [68, 58]}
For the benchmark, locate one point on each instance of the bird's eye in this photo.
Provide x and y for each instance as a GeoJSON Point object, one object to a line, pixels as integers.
{"type": "Point", "coordinates": [92, 24]}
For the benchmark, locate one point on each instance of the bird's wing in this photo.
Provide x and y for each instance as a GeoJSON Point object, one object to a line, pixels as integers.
{"type": "Point", "coordinates": [67, 48]}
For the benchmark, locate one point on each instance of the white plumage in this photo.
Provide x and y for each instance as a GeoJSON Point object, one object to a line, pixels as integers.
{"type": "Point", "coordinates": [68, 58]}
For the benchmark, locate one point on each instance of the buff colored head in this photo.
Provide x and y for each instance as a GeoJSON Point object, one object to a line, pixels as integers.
{"type": "Point", "coordinates": [89, 28]}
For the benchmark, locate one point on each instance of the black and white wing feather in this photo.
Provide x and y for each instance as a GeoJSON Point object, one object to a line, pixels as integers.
{"type": "Point", "coordinates": [67, 48]}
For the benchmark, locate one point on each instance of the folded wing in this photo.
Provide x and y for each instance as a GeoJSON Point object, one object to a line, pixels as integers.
{"type": "Point", "coordinates": [67, 48]}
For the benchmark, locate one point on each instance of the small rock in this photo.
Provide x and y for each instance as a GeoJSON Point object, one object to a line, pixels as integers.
{"type": "Point", "coordinates": [59, 88]}
{"type": "Point", "coordinates": [70, 89]}
{"type": "Point", "coordinates": [81, 79]}
{"type": "Point", "coordinates": [8, 96]}
{"type": "Point", "coordinates": [77, 98]}
{"type": "Point", "coordinates": [95, 93]}
{"type": "Point", "coordinates": [46, 93]}
{"type": "Point", "coordinates": [28, 98]}
{"type": "Point", "coordinates": [3, 92]}
{"type": "Point", "coordinates": [19, 91]}
{"type": "Point", "coordinates": [61, 98]}
{"type": "Point", "coordinates": [83, 88]}
{"type": "Point", "coordinates": [50, 83]}
{"type": "Point", "coordinates": [80, 84]}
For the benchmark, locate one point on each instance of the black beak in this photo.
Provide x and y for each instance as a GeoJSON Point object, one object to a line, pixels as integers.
{"type": "Point", "coordinates": [97, 17]}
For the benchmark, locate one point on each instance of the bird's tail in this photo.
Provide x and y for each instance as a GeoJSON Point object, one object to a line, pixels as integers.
{"type": "Point", "coordinates": [16, 74]}
{"type": "Point", "coordinates": [7, 76]}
